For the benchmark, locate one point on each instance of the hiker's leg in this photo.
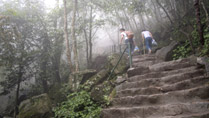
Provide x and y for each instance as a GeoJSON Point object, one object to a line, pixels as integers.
{"type": "Point", "coordinates": [148, 42]}
{"type": "Point", "coordinates": [127, 49]}
{"type": "Point", "coordinates": [132, 45]}
{"type": "Point", "coordinates": [150, 45]}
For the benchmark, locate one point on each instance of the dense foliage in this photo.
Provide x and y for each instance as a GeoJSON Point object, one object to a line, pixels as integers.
{"type": "Point", "coordinates": [78, 105]}
{"type": "Point", "coordinates": [185, 49]}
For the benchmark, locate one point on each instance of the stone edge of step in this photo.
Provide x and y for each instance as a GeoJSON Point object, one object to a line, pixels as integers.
{"type": "Point", "coordinates": [165, 72]}
{"type": "Point", "coordinates": [161, 94]}
{"type": "Point", "coordinates": [165, 78]}
{"type": "Point", "coordinates": [162, 88]}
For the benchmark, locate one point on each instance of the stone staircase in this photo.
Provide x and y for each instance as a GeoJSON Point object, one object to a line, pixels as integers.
{"type": "Point", "coordinates": [155, 89]}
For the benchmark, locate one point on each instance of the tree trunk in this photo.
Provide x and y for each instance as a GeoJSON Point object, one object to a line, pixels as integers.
{"type": "Point", "coordinates": [90, 35]}
{"type": "Point", "coordinates": [74, 37]}
{"type": "Point", "coordinates": [21, 47]}
{"type": "Point", "coordinates": [56, 58]}
{"type": "Point", "coordinates": [45, 85]}
{"type": "Point", "coordinates": [199, 25]}
{"type": "Point", "coordinates": [57, 74]}
{"type": "Point", "coordinates": [44, 62]}
{"type": "Point", "coordinates": [56, 17]}
{"type": "Point", "coordinates": [66, 37]}
{"type": "Point", "coordinates": [87, 48]}
{"type": "Point", "coordinates": [165, 11]}
{"type": "Point", "coordinates": [58, 49]}
{"type": "Point", "coordinates": [17, 91]}
{"type": "Point", "coordinates": [206, 13]}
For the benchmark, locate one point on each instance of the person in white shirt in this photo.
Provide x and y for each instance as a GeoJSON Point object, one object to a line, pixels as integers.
{"type": "Point", "coordinates": [124, 36]}
{"type": "Point", "coordinates": [147, 38]}
{"type": "Point", "coordinates": [127, 37]}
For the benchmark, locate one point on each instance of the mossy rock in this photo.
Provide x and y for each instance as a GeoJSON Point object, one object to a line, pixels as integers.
{"type": "Point", "coordinates": [101, 93]}
{"type": "Point", "coordinates": [36, 107]}
{"type": "Point", "coordinates": [99, 78]}
{"type": "Point", "coordinates": [85, 75]}
{"type": "Point", "coordinates": [80, 77]}
{"type": "Point", "coordinates": [56, 94]}
{"type": "Point", "coordinates": [122, 66]}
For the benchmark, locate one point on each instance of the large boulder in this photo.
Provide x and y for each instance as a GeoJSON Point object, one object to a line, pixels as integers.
{"type": "Point", "coordinates": [204, 61]}
{"type": "Point", "coordinates": [106, 91]}
{"type": "Point", "coordinates": [99, 78]}
{"type": "Point", "coordinates": [36, 107]}
{"type": "Point", "coordinates": [122, 66]}
{"type": "Point", "coordinates": [100, 93]}
{"type": "Point", "coordinates": [80, 77]}
{"type": "Point", "coordinates": [166, 53]}
{"type": "Point", "coordinates": [84, 75]}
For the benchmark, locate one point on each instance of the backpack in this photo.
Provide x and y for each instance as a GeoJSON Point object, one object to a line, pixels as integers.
{"type": "Point", "coordinates": [129, 34]}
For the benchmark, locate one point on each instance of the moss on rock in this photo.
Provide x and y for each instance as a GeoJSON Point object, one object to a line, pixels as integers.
{"type": "Point", "coordinates": [99, 78]}
{"type": "Point", "coordinates": [56, 94]}
{"type": "Point", "coordinates": [101, 92]}
{"type": "Point", "coordinates": [122, 66]}
{"type": "Point", "coordinates": [36, 107]}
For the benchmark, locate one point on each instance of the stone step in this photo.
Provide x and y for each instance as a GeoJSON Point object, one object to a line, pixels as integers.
{"type": "Point", "coordinates": [172, 65]}
{"type": "Point", "coordinates": [157, 82]}
{"type": "Point", "coordinates": [197, 115]}
{"type": "Point", "coordinates": [140, 70]}
{"type": "Point", "coordinates": [135, 57]}
{"type": "Point", "coordinates": [157, 110]}
{"type": "Point", "coordinates": [162, 74]}
{"type": "Point", "coordinates": [145, 61]}
{"type": "Point", "coordinates": [164, 66]}
{"type": "Point", "coordinates": [182, 85]}
{"type": "Point", "coordinates": [186, 84]}
{"type": "Point", "coordinates": [193, 94]}
{"type": "Point", "coordinates": [190, 115]}
{"type": "Point", "coordinates": [138, 91]}
{"type": "Point", "coordinates": [144, 64]}
{"type": "Point", "coordinates": [142, 59]}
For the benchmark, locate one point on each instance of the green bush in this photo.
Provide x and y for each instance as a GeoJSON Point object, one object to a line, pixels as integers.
{"type": "Point", "coordinates": [205, 50]}
{"type": "Point", "coordinates": [185, 50]}
{"type": "Point", "coordinates": [182, 51]}
{"type": "Point", "coordinates": [78, 105]}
